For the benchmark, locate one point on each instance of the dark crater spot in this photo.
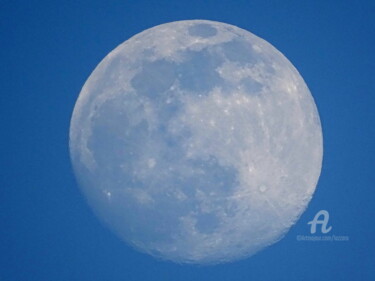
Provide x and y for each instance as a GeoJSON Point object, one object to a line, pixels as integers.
{"type": "Point", "coordinates": [203, 30]}
{"type": "Point", "coordinates": [239, 51]}
{"type": "Point", "coordinates": [207, 223]}
{"type": "Point", "coordinates": [250, 86]}
{"type": "Point", "coordinates": [155, 78]}
{"type": "Point", "coordinates": [210, 176]}
{"type": "Point", "coordinates": [114, 140]}
{"type": "Point", "coordinates": [198, 72]}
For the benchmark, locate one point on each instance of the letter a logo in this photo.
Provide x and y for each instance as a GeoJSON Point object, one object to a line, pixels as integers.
{"type": "Point", "coordinates": [323, 222]}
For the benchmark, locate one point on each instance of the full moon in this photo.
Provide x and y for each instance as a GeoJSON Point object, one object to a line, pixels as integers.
{"type": "Point", "coordinates": [196, 142]}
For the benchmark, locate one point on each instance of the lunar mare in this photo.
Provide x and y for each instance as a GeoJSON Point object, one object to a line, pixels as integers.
{"type": "Point", "coordinates": [196, 142]}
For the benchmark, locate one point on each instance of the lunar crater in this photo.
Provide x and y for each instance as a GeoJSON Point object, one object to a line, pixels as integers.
{"type": "Point", "coordinates": [202, 30]}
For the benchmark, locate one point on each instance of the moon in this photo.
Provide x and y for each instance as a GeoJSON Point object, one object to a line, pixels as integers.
{"type": "Point", "coordinates": [196, 142]}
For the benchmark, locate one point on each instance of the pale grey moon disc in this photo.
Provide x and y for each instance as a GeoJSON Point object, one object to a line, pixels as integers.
{"type": "Point", "coordinates": [196, 142]}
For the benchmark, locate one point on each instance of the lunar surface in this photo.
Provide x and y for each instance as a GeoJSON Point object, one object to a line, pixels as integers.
{"type": "Point", "coordinates": [196, 142]}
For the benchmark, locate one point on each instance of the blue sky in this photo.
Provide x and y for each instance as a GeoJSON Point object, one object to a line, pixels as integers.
{"type": "Point", "coordinates": [47, 51]}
